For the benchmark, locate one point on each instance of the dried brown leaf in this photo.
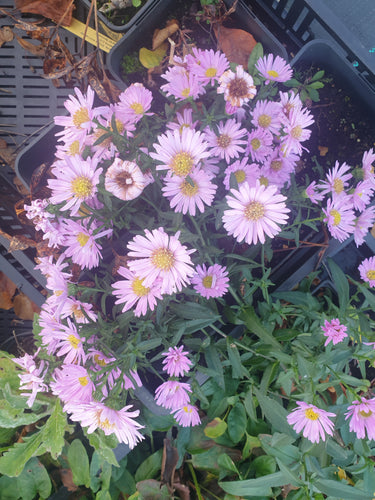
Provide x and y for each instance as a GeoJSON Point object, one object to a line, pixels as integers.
{"type": "Point", "coordinates": [6, 35]}
{"type": "Point", "coordinates": [236, 44]}
{"type": "Point", "coordinates": [162, 35]}
{"type": "Point", "coordinates": [67, 479]}
{"type": "Point", "coordinates": [37, 50]}
{"type": "Point", "coordinates": [7, 290]}
{"type": "Point", "coordinates": [24, 308]}
{"type": "Point", "coordinates": [7, 155]}
{"type": "Point", "coordinates": [57, 10]}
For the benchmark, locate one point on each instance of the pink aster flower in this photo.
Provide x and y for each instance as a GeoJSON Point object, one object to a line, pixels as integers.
{"type": "Point", "coordinates": [212, 281]}
{"type": "Point", "coordinates": [295, 130]}
{"type": "Point", "coordinates": [182, 85]}
{"type": "Point", "coordinates": [238, 88]}
{"type": "Point", "coordinates": [313, 193]}
{"type": "Point", "coordinates": [33, 377]}
{"type": "Point", "coordinates": [183, 120]}
{"type": "Point", "coordinates": [289, 101]}
{"type": "Point", "coordinates": [179, 152]}
{"type": "Point", "coordinates": [172, 394]}
{"type": "Point", "coordinates": [337, 180]}
{"type": "Point", "coordinates": [274, 69]}
{"type": "Point", "coordinates": [362, 195]}
{"type": "Point", "coordinates": [75, 182]}
{"type": "Point", "coordinates": [124, 179]}
{"type": "Point", "coordinates": [367, 166]}
{"type": "Point", "coordinates": [160, 256]}
{"type": "Point", "coordinates": [207, 65]}
{"type": "Point", "coordinates": [367, 271]}
{"type": "Point", "coordinates": [187, 194]}
{"type": "Point", "coordinates": [363, 224]}
{"type": "Point", "coordinates": [176, 362]}
{"type": "Point", "coordinates": [69, 343]}
{"type": "Point", "coordinates": [312, 420]}
{"type": "Point", "coordinates": [279, 167]}
{"type": "Point", "coordinates": [132, 292]}
{"type": "Point", "coordinates": [81, 243]}
{"type": "Point", "coordinates": [340, 217]}
{"type": "Point", "coordinates": [242, 171]}
{"type": "Point", "coordinates": [229, 140]}
{"type": "Point", "coordinates": [82, 312]}
{"type": "Point", "coordinates": [254, 212]}
{"type": "Point", "coordinates": [266, 115]}
{"type": "Point", "coordinates": [362, 415]}
{"type": "Point", "coordinates": [72, 383]}
{"type": "Point", "coordinates": [187, 416]}
{"type": "Point", "coordinates": [259, 144]}
{"type": "Point", "coordinates": [134, 102]}
{"type": "Point", "coordinates": [96, 415]}
{"type": "Point", "coordinates": [334, 331]}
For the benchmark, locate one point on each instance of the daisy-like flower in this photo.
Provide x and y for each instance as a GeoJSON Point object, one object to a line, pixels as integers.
{"type": "Point", "coordinates": [124, 179]}
{"type": "Point", "coordinates": [187, 194]}
{"type": "Point", "coordinates": [362, 195]}
{"type": "Point", "coordinates": [295, 130]}
{"type": "Point", "coordinates": [229, 140]}
{"type": "Point", "coordinates": [255, 212]}
{"type": "Point", "coordinates": [96, 415]}
{"type": "Point", "coordinates": [72, 383]}
{"type": "Point", "coordinates": [75, 181]}
{"type": "Point", "coordinates": [81, 243]}
{"type": "Point", "coordinates": [176, 362]}
{"type": "Point", "coordinates": [33, 377]}
{"type": "Point", "coordinates": [362, 420]}
{"type": "Point", "coordinates": [238, 88]}
{"type": "Point", "coordinates": [132, 292]}
{"type": "Point", "coordinates": [211, 282]}
{"type": "Point", "coordinates": [367, 271]}
{"type": "Point", "coordinates": [289, 101]}
{"type": "Point", "coordinates": [69, 343]}
{"type": "Point", "coordinates": [134, 102]}
{"type": "Point", "coordinates": [278, 168]}
{"type": "Point", "coordinates": [183, 120]}
{"type": "Point", "coordinates": [313, 193]}
{"type": "Point", "coordinates": [179, 152]}
{"type": "Point", "coordinates": [337, 180]}
{"type": "Point", "coordinates": [259, 144]}
{"type": "Point", "coordinates": [363, 224]}
{"type": "Point", "coordinates": [274, 69]}
{"type": "Point", "coordinates": [340, 217]}
{"type": "Point", "coordinates": [207, 65]}
{"type": "Point", "coordinates": [187, 416]}
{"type": "Point", "coordinates": [80, 311]}
{"type": "Point", "coordinates": [172, 394]}
{"type": "Point", "coordinates": [183, 85]}
{"type": "Point", "coordinates": [160, 256]}
{"type": "Point", "coordinates": [266, 115]}
{"type": "Point", "coordinates": [242, 171]}
{"type": "Point", "coordinates": [314, 422]}
{"type": "Point", "coordinates": [334, 331]}
{"type": "Point", "coordinates": [367, 166]}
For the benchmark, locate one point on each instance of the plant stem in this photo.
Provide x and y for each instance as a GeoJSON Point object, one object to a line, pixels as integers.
{"type": "Point", "coordinates": [197, 487]}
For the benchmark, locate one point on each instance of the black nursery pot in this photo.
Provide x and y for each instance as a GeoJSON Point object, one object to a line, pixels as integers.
{"type": "Point", "coordinates": [140, 34]}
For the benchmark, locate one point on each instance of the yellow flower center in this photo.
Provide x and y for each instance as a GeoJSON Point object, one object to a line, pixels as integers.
{"type": "Point", "coordinates": [82, 239]}
{"type": "Point", "coordinates": [255, 143]}
{"type": "Point", "coordinates": [182, 164]}
{"type": "Point", "coordinates": [276, 165]}
{"type": "Point", "coordinates": [207, 281]}
{"type": "Point", "coordinates": [371, 274]}
{"type": "Point", "coordinates": [264, 121]}
{"type": "Point", "coordinates": [187, 410]}
{"type": "Point", "coordinates": [80, 116]}
{"type": "Point", "coordinates": [240, 176]}
{"type": "Point", "coordinates": [104, 424]}
{"type": "Point", "coordinates": [189, 189]}
{"type": "Point", "coordinates": [263, 181]}
{"type": "Point", "coordinates": [186, 92]}
{"type": "Point", "coordinates": [81, 187]}
{"type": "Point", "coordinates": [211, 72]}
{"type": "Point", "coordinates": [106, 142]}
{"type": "Point", "coordinates": [58, 293]}
{"type": "Point", "coordinates": [83, 381]}
{"type": "Point", "coordinates": [77, 311]}
{"type": "Point", "coordinates": [138, 288]}
{"type": "Point", "coordinates": [73, 341]}
{"type": "Point", "coordinates": [311, 414]}
{"type": "Point", "coordinates": [99, 361]}
{"type": "Point", "coordinates": [365, 414]}
{"type": "Point", "coordinates": [272, 73]}
{"type": "Point", "coordinates": [336, 217]}
{"type": "Point", "coordinates": [137, 108]}
{"type": "Point", "coordinates": [163, 259]}
{"type": "Point", "coordinates": [74, 148]}
{"type": "Point", "coordinates": [338, 186]}
{"type": "Point", "coordinates": [224, 140]}
{"type": "Point", "coordinates": [296, 132]}
{"type": "Point", "coordinates": [254, 211]}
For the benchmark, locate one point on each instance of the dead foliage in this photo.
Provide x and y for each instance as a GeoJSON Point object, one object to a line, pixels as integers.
{"type": "Point", "coordinates": [59, 11]}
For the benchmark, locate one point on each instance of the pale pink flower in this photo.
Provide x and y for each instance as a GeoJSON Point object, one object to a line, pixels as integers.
{"type": "Point", "coordinates": [362, 420]}
{"type": "Point", "coordinates": [238, 88]}
{"type": "Point", "coordinates": [132, 292]}
{"type": "Point", "coordinates": [367, 166]}
{"type": "Point", "coordinates": [313, 193]}
{"type": "Point", "coordinates": [259, 144]}
{"type": "Point", "coordinates": [367, 271]}
{"type": "Point", "coordinates": [176, 362]}
{"type": "Point", "coordinates": [33, 377]}
{"type": "Point", "coordinates": [337, 180]}
{"type": "Point", "coordinates": [289, 101]}
{"type": "Point", "coordinates": [211, 282]}
{"type": "Point", "coordinates": [183, 120]}
{"type": "Point", "coordinates": [134, 102]}
{"type": "Point", "coordinates": [186, 194]}
{"type": "Point", "coordinates": [207, 65]}
{"type": "Point", "coordinates": [362, 195]}
{"type": "Point", "coordinates": [312, 420]}
{"type": "Point", "coordinates": [82, 312]}
{"type": "Point", "coordinates": [255, 212]}
{"type": "Point", "coordinates": [274, 68]}
{"type": "Point", "coordinates": [187, 416]}
{"type": "Point", "coordinates": [172, 394]}
{"type": "Point", "coordinates": [242, 171]}
{"type": "Point", "coordinates": [334, 331]}
{"type": "Point", "coordinates": [340, 217]}
{"type": "Point", "coordinates": [124, 179]}
{"type": "Point", "coordinates": [363, 224]}
{"type": "Point", "coordinates": [72, 383]}
{"type": "Point", "coordinates": [69, 343]}
{"type": "Point", "coordinates": [295, 130]}
{"type": "Point", "coordinates": [228, 141]}
{"type": "Point", "coordinates": [182, 85]}
{"type": "Point", "coordinates": [160, 256]}
{"type": "Point", "coordinates": [96, 415]}
{"type": "Point", "coordinates": [266, 115]}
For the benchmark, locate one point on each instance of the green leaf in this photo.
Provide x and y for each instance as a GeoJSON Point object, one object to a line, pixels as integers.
{"type": "Point", "coordinates": [275, 414]}
{"type": "Point", "coordinates": [256, 54]}
{"type": "Point", "coordinates": [248, 402]}
{"type": "Point", "coordinates": [313, 94]}
{"type": "Point", "coordinates": [14, 460]}
{"type": "Point", "coordinates": [149, 467]}
{"type": "Point", "coordinates": [254, 487]}
{"type": "Point", "coordinates": [11, 417]}
{"type": "Point", "coordinates": [54, 431]}
{"type": "Point", "coordinates": [9, 488]}
{"type": "Point", "coordinates": [34, 480]}
{"type": "Point", "coordinates": [209, 460]}
{"type": "Point", "coordinates": [264, 465]}
{"type": "Point", "coordinates": [251, 443]}
{"type": "Point", "coordinates": [79, 463]}
{"type": "Point", "coordinates": [152, 58]}
{"type": "Point", "coordinates": [225, 462]}
{"type": "Point", "coordinates": [288, 473]}
{"type": "Point", "coordinates": [238, 370]}
{"type": "Point", "coordinates": [280, 447]}
{"type": "Point", "coordinates": [341, 490]}
{"type": "Point", "coordinates": [341, 284]}
{"type": "Point", "coordinates": [318, 75]}
{"type": "Point", "coordinates": [316, 85]}
{"type": "Point", "coordinates": [215, 364]}
{"type": "Point", "coordinates": [215, 428]}
{"type": "Point", "coordinates": [237, 422]}
{"type": "Point", "coordinates": [150, 489]}
{"type": "Point", "coordinates": [253, 323]}
{"type": "Point", "coordinates": [98, 442]}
